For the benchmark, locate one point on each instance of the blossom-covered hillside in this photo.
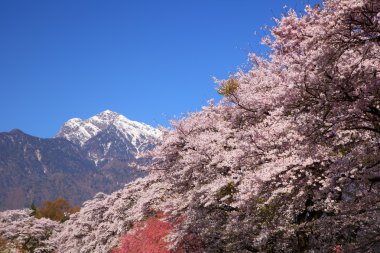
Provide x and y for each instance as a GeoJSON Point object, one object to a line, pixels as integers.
{"type": "Point", "coordinates": [288, 161]}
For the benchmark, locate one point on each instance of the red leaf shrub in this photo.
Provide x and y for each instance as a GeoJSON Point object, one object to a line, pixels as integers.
{"type": "Point", "coordinates": [148, 237]}
{"type": "Point", "coordinates": [338, 249]}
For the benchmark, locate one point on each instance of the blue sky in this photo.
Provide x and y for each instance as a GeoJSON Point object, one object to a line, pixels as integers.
{"type": "Point", "coordinates": [148, 60]}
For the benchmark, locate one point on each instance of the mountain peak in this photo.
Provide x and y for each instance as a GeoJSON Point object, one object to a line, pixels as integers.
{"type": "Point", "coordinates": [80, 131]}
{"type": "Point", "coordinates": [108, 114]}
{"type": "Point", "coordinates": [104, 119]}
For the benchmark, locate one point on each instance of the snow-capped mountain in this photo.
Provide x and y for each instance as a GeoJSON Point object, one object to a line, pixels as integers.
{"type": "Point", "coordinates": [110, 138]}
{"type": "Point", "coordinates": [81, 131]}
{"type": "Point", "coordinates": [92, 155]}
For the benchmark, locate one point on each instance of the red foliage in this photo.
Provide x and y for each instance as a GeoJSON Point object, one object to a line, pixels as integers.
{"type": "Point", "coordinates": [338, 249]}
{"type": "Point", "coordinates": [148, 237]}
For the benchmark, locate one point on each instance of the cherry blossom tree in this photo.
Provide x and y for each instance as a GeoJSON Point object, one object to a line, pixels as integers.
{"type": "Point", "coordinates": [312, 103]}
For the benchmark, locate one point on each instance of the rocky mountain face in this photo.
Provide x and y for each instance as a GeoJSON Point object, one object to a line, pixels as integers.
{"type": "Point", "coordinates": [86, 157]}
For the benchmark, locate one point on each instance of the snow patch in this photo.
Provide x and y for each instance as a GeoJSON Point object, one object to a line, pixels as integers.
{"type": "Point", "coordinates": [38, 155]}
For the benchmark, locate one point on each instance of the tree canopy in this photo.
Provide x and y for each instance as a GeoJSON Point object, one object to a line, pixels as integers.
{"type": "Point", "coordinates": [58, 210]}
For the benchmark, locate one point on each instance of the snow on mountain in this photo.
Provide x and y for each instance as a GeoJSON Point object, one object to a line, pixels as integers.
{"type": "Point", "coordinates": [81, 131]}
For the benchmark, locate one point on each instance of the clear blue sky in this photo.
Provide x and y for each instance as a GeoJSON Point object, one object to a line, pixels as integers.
{"type": "Point", "coordinates": [148, 60]}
